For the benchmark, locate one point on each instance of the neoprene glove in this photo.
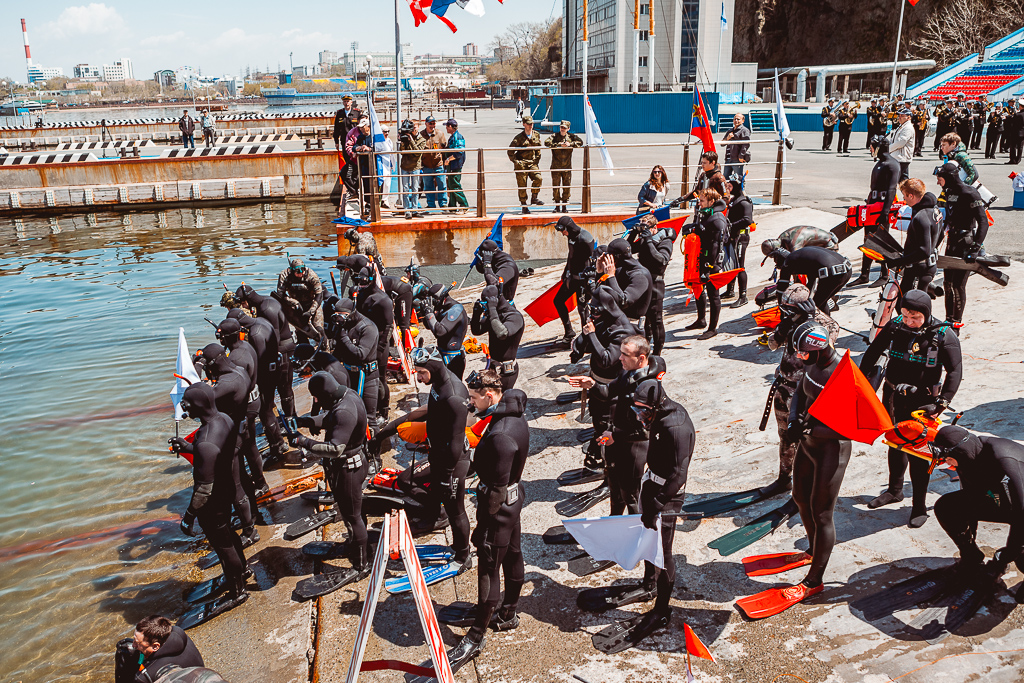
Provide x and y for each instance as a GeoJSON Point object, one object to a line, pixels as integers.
{"type": "Point", "coordinates": [905, 389]}
{"type": "Point", "coordinates": [795, 430]}
{"type": "Point", "coordinates": [649, 518]}
{"type": "Point", "coordinates": [304, 421]}
{"type": "Point", "coordinates": [179, 445]}
{"type": "Point", "coordinates": [303, 441]}
{"type": "Point", "coordinates": [485, 256]}
{"type": "Point", "coordinates": [187, 520]}
{"type": "Point", "coordinates": [495, 498]}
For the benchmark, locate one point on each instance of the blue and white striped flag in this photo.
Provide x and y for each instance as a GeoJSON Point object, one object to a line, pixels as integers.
{"type": "Point", "coordinates": [725, 22]}
{"type": "Point", "coordinates": [379, 146]}
{"type": "Point", "coordinates": [594, 136]}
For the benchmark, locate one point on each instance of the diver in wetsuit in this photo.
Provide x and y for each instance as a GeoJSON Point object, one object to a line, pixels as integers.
{"type": "Point", "coordinates": [740, 217]}
{"type": "Point", "coordinates": [498, 268]}
{"type": "Point", "coordinates": [365, 245]}
{"type": "Point", "coordinates": [356, 347]}
{"type": "Point", "coordinates": [606, 328]}
{"type": "Point", "coordinates": [400, 292]}
{"type": "Point", "coordinates": [300, 293]}
{"type": "Point", "coordinates": [967, 226]}
{"type": "Point", "coordinates": [574, 281]}
{"type": "Point", "coordinates": [499, 460]}
{"type": "Point", "coordinates": [231, 392]}
{"type": "Point", "coordinates": [712, 227]}
{"type": "Point", "coordinates": [991, 472]}
{"type": "Point", "coordinates": [919, 348]}
{"type": "Point", "coordinates": [321, 361]}
{"type": "Point", "coordinates": [342, 451]}
{"type": "Point", "coordinates": [270, 310]}
{"type": "Point", "coordinates": [885, 176]}
{"type": "Point", "coordinates": [214, 471]}
{"type": "Point", "coordinates": [672, 438]}
{"type": "Point", "coordinates": [827, 271]}
{"type": "Point", "coordinates": [653, 249]}
{"type": "Point", "coordinates": [504, 326]}
{"type": "Point", "coordinates": [373, 303]}
{"type": "Point", "coordinates": [920, 251]}
{"type": "Point", "coordinates": [242, 354]}
{"type": "Point", "coordinates": [263, 339]}
{"type": "Point", "coordinates": [626, 440]}
{"type": "Point", "coordinates": [796, 307]}
{"type": "Point", "coordinates": [821, 458]}
{"type": "Point", "coordinates": [446, 415]}
{"type": "Point", "coordinates": [447, 319]}
{"type": "Point", "coordinates": [629, 281]}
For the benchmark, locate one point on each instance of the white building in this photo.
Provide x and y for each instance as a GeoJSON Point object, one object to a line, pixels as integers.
{"type": "Point", "coordinates": [41, 74]}
{"type": "Point", "coordinates": [690, 46]}
{"type": "Point", "coordinates": [121, 70]}
{"type": "Point", "coordinates": [470, 50]}
{"type": "Point", "coordinates": [328, 57]}
{"type": "Point", "coordinates": [87, 72]}
{"type": "Point", "coordinates": [234, 85]}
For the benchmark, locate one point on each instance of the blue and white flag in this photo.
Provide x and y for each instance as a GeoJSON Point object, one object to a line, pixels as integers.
{"type": "Point", "coordinates": [594, 136]}
{"type": "Point", "coordinates": [623, 539]}
{"type": "Point", "coordinates": [725, 22]}
{"type": "Point", "coordinates": [185, 371]}
{"type": "Point", "coordinates": [379, 145]}
{"type": "Point", "coordinates": [780, 114]}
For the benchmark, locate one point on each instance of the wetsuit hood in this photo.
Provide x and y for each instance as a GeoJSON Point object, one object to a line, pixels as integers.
{"type": "Point", "coordinates": [439, 293]}
{"type": "Point", "coordinates": [325, 389]}
{"type": "Point", "coordinates": [607, 313]}
{"type": "Point", "coordinates": [881, 145]}
{"type": "Point", "coordinates": [916, 300]}
{"type": "Point", "coordinates": [570, 227]}
{"type": "Point", "coordinates": [719, 207]}
{"type": "Point", "coordinates": [229, 331]}
{"type": "Point", "coordinates": [956, 442]}
{"type": "Point", "coordinates": [345, 312]}
{"type": "Point", "coordinates": [354, 262]}
{"type": "Point", "coordinates": [619, 249]}
{"type": "Point", "coordinates": [928, 201]}
{"type": "Point", "coordinates": [248, 295]}
{"type": "Point", "coordinates": [302, 353]}
{"type": "Point", "coordinates": [950, 174]}
{"type": "Point", "coordinates": [243, 318]}
{"type": "Point", "coordinates": [512, 404]}
{"type": "Point", "coordinates": [486, 245]}
{"type": "Point", "coordinates": [199, 402]}
{"type": "Point", "coordinates": [215, 360]}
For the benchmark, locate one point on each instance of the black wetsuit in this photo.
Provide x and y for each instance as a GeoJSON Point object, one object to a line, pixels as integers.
{"type": "Point", "coordinates": [378, 307]}
{"type": "Point", "coordinates": [632, 284]}
{"type": "Point", "coordinates": [991, 473]}
{"type": "Point", "coordinates": [821, 461]}
{"type": "Point", "coordinates": [668, 461]}
{"type": "Point", "coordinates": [449, 323]}
{"type": "Point", "coordinates": [178, 650]}
{"type": "Point", "coordinates": [400, 292]}
{"type": "Point", "coordinates": [654, 251]}
{"type": "Point", "coordinates": [504, 326]}
{"type": "Point", "coordinates": [713, 230]}
{"type": "Point", "coordinates": [967, 227]}
{"type": "Point", "coordinates": [449, 461]}
{"type": "Point", "coordinates": [498, 267]}
{"type": "Point", "coordinates": [263, 338]}
{"type": "Point", "coordinates": [499, 459]}
{"type": "Point", "coordinates": [919, 251]}
{"type": "Point", "coordinates": [356, 346]}
{"type": "Point", "coordinates": [215, 475]}
{"type": "Point", "coordinates": [343, 457]}
{"type": "Point", "coordinates": [827, 272]}
{"type": "Point", "coordinates": [885, 176]}
{"type": "Point", "coordinates": [917, 360]}
{"type": "Point", "coordinates": [270, 310]}
{"type": "Point", "coordinates": [626, 456]}
{"type": "Point", "coordinates": [242, 354]}
{"type": "Point", "coordinates": [611, 326]}
{"type": "Point", "coordinates": [581, 250]}
{"type": "Point", "coordinates": [740, 217]}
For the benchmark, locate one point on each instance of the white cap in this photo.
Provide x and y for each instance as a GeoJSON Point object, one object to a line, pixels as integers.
{"type": "Point", "coordinates": [364, 122]}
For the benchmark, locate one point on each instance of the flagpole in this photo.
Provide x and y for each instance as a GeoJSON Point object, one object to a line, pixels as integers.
{"type": "Point", "coordinates": [718, 74]}
{"type": "Point", "coordinates": [398, 106]}
{"type": "Point", "coordinates": [635, 85]}
{"type": "Point", "coordinates": [584, 88]}
{"type": "Point", "coordinates": [895, 60]}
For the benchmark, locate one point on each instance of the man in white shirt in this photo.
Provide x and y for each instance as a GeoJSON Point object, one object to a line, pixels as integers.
{"type": "Point", "coordinates": [902, 146]}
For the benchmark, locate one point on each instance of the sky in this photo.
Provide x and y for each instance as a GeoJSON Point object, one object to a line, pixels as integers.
{"type": "Point", "coordinates": [222, 36]}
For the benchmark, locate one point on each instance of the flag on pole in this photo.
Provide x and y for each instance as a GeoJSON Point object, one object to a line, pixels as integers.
{"type": "Point", "coordinates": [379, 144]}
{"type": "Point", "coordinates": [780, 114]}
{"type": "Point", "coordinates": [725, 22]}
{"type": "Point", "coordinates": [496, 236]}
{"type": "Point", "coordinates": [184, 368]}
{"type": "Point", "coordinates": [700, 126]}
{"type": "Point", "coordinates": [594, 136]}
{"type": "Point", "coordinates": [694, 646]}
{"type": "Point", "coordinates": [849, 405]}
{"type": "Point", "coordinates": [623, 539]}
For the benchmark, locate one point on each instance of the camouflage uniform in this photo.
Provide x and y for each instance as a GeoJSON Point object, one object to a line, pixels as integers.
{"type": "Point", "coordinates": [301, 297]}
{"type": "Point", "coordinates": [526, 161]}
{"type": "Point", "coordinates": [561, 163]}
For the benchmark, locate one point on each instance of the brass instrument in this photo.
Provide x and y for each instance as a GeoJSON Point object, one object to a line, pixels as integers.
{"type": "Point", "coordinates": [833, 116]}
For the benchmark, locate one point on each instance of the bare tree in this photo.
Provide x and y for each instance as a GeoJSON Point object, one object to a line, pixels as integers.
{"type": "Point", "coordinates": [963, 27]}
{"type": "Point", "coordinates": [524, 51]}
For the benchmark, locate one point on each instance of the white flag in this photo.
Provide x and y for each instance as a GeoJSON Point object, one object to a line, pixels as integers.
{"type": "Point", "coordinates": [622, 539]}
{"type": "Point", "coordinates": [379, 144]}
{"type": "Point", "coordinates": [594, 136]}
{"type": "Point", "coordinates": [472, 6]}
{"type": "Point", "coordinates": [184, 368]}
{"type": "Point", "coordinates": [780, 114]}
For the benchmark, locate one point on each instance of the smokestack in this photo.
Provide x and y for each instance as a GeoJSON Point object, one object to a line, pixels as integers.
{"type": "Point", "coordinates": [28, 52]}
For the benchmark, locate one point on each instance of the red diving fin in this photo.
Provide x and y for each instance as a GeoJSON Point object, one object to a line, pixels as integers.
{"type": "Point", "coordinates": [775, 563]}
{"type": "Point", "coordinates": [775, 600]}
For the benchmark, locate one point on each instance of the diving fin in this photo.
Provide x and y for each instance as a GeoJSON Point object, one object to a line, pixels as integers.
{"type": "Point", "coordinates": [325, 550]}
{"type": "Point", "coordinates": [318, 497]}
{"type": "Point", "coordinates": [585, 434]}
{"type": "Point", "coordinates": [585, 565]}
{"type": "Point", "coordinates": [557, 535]}
{"type": "Point", "coordinates": [310, 523]}
{"type": "Point", "coordinates": [461, 614]}
{"type": "Point", "coordinates": [734, 501]}
{"type": "Point", "coordinates": [328, 582]}
{"type": "Point", "coordinates": [757, 529]}
{"type": "Point", "coordinates": [581, 502]}
{"type": "Point", "coordinates": [212, 588]}
{"type": "Point", "coordinates": [613, 597]}
{"type": "Point", "coordinates": [954, 609]}
{"type": "Point", "coordinates": [568, 397]}
{"type": "Point", "coordinates": [775, 563]}
{"type": "Point", "coordinates": [627, 633]}
{"type": "Point", "coordinates": [776, 600]}
{"type": "Point", "coordinates": [432, 574]}
{"type": "Point", "coordinates": [905, 594]}
{"type": "Point", "coordinates": [582, 475]}
{"type": "Point", "coordinates": [203, 613]}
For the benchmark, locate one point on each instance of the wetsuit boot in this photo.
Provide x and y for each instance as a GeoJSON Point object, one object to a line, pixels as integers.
{"type": "Point", "coordinates": [468, 648]}
{"type": "Point", "coordinates": [568, 336]}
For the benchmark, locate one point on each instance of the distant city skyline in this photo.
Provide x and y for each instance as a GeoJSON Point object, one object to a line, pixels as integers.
{"type": "Point", "coordinates": [224, 37]}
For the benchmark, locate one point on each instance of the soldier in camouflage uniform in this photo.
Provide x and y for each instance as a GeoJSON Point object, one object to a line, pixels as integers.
{"type": "Point", "coordinates": [562, 143]}
{"type": "Point", "coordinates": [527, 162]}
{"type": "Point", "coordinates": [300, 293]}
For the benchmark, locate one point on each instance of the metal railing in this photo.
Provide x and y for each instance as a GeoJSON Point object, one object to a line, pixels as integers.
{"type": "Point", "coordinates": [619, 193]}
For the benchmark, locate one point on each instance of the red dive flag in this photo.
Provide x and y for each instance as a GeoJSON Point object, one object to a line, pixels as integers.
{"type": "Point", "coordinates": [699, 124]}
{"type": "Point", "coordinates": [912, 2]}
{"type": "Point", "coordinates": [694, 646]}
{"type": "Point", "coordinates": [543, 309]}
{"type": "Point", "coordinates": [849, 405]}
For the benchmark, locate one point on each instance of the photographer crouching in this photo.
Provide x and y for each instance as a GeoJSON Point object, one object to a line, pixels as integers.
{"type": "Point", "coordinates": [156, 644]}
